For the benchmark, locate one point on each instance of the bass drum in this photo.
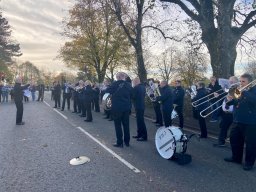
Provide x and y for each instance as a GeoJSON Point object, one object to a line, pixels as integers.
{"type": "Point", "coordinates": [170, 140]}
{"type": "Point", "coordinates": [106, 101]}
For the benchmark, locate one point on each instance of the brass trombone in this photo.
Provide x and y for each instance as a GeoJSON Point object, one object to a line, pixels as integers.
{"type": "Point", "coordinates": [233, 91]}
{"type": "Point", "coordinates": [196, 104]}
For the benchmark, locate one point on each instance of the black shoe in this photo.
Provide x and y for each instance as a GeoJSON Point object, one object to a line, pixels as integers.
{"type": "Point", "coordinates": [21, 123]}
{"type": "Point", "coordinates": [86, 120]}
{"type": "Point", "coordinates": [136, 137]}
{"type": "Point", "coordinates": [231, 160]}
{"type": "Point", "coordinates": [156, 122]}
{"type": "Point", "coordinates": [54, 107]}
{"type": "Point", "coordinates": [247, 167]}
{"type": "Point", "coordinates": [202, 137]}
{"type": "Point", "coordinates": [105, 117]}
{"type": "Point", "coordinates": [141, 139]}
{"type": "Point", "coordinates": [127, 144]}
{"type": "Point", "coordinates": [74, 112]}
{"type": "Point", "coordinates": [219, 145]}
{"type": "Point", "coordinates": [118, 145]}
{"type": "Point", "coordinates": [82, 115]}
{"type": "Point", "coordinates": [62, 109]}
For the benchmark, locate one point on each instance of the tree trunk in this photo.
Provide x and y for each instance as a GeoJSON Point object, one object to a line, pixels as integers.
{"type": "Point", "coordinates": [140, 63]}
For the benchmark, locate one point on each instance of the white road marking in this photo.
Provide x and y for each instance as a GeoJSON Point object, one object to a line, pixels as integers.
{"type": "Point", "coordinates": [130, 166]}
{"type": "Point", "coordinates": [47, 104]}
{"type": "Point", "coordinates": [65, 117]}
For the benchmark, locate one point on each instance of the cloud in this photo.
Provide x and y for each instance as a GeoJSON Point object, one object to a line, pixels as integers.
{"type": "Point", "coordinates": [36, 26]}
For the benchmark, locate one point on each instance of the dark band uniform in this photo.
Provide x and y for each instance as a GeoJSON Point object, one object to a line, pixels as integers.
{"type": "Point", "coordinates": [18, 96]}
{"type": "Point", "coordinates": [178, 100]}
{"type": "Point", "coordinates": [66, 95]}
{"type": "Point", "coordinates": [139, 92]}
{"type": "Point", "coordinates": [166, 99]}
{"type": "Point", "coordinates": [201, 92]}
{"type": "Point", "coordinates": [121, 105]}
{"type": "Point", "coordinates": [244, 129]}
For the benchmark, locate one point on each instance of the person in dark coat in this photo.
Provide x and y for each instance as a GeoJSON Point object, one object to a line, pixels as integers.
{"type": "Point", "coordinates": [226, 118]}
{"type": "Point", "coordinates": [41, 92]}
{"type": "Point", "coordinates": [121, 92]}
{"type": "Point", "coordinates": [244, 124]}
{"type": "Point", "coordinates": [166, 100]}
{"type": "Point", "coordinates": [214, 87]}
{"type": "Point", "coordinates": [138, 96]}
{"type": "Point", "coordinates": [66, 96]}
{"type": "Point", "coordinates": [96, 97]}
{"type": "Point", "coordinates": [56, 94]}
{"type": "Point", "coordinates": [178, 101]}
{"type": "Point", "coordinates": [201, 98]}
{"type": "Point", "coordinates": [88, 97]}
{"type": "Point", "coordinates": [81, 107]}
{"type": "Point", "coordinates": [18, 96]}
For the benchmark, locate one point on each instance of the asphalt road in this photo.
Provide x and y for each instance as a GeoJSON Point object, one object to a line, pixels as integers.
{"type": "Point", "coordinates": [35, 157]}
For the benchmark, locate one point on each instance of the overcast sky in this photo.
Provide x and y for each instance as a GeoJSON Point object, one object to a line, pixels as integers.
{"type": "Point", "coordinates": [36, 25]}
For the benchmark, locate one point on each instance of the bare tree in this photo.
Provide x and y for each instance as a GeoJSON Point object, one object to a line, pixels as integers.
{"type": "Point", "coordinates": [166, 64]}
{"type": "Point", "coordinates": [130, 16]}
{"type": "Point", "coordinates": [223, 24]}
{"type": "Point", "coordinates": [251, 68]}
{"type": "Point", "coordinates": [191, 66]}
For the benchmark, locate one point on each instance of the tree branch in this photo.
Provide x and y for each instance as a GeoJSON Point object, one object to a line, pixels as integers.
{"type": "Point", "coordinates": [185, 8]}
{"type": "Point", "coordinates": [162, 33]}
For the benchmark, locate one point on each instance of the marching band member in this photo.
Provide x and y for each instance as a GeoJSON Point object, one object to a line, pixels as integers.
{"type": "Point", "coordinates": [41, 92]}
{"type": "Point", "coordinates": [244, 128]}
{"type": "Point", "coordinates": [201, 92]}
{"type": "Point", "coordinates": [178, 100]}
{"type": "Point", "coordinates": [139, 92]}
{"type": "Point", "coordinates": [166, 99]}
{"type": "Point", "coordinates": [121, 105]}
{"type": "Point", "coordinates": [66, 95]}
{"type": "Point", "coordinates": [56, 94]}
{"type": "Point", "coordinates": [96, 98]}
{"type": "Point", "coordinates": [87, 100]}
{"type": "Point", "coordinates": [157, 109]}
{"type": "Point", "coordinates": [18, 96]}
{"type": "Point", "coordinates": [103, 91]}
{"type": "Point", "coordinates": [75, 98]}
{"type": "Point", "coordinates": [81, 107]}
{"type": "Point", "coordinates": [214, 87]}
{"type": "Point", "coordinates": [226, 118]}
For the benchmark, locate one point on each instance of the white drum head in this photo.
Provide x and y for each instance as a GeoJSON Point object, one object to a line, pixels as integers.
{"type": "Point", "coordinates": [105, 96]}
{"type": "Point", "coordinates": [165, 142]}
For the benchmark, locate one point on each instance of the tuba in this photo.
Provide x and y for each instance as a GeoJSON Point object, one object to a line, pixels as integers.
{"type": "Point", "coordinates": [106, 101]}
{"type": "Point", "coordinates": [152, 90]}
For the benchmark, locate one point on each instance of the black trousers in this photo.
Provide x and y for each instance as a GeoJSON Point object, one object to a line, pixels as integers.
{"type": "Point", "coordinates": [40, 96]}
{"type": "Point", "coordinates": [157, 109]}
{"type": "Point", "coordinates": [66, 97]}
{"type": "Point", "coordinates": [179, 110]}
{"type": "Point", "coordinates": [57, 100]}
{"type": "Point", "coordinates": [75, 104]}
{"type": "Point", "coordinates": [88, 110]}
{"type": "Point", "coordinates": [202, 125]}
{"type": "Point", "coordinates": [240, 134]}
{"type": "Point", "coordinates": [96, 104]}
{"type": "Point", "coordinates": [167, 118]}
{"type": "Point", "coordinates": [225, 123]}
{"type": "Point", "coordinates": [19, 114]}
{"type": "Point", "coordinates": [122, 119]}
{"type": "Point", "coordinates": [141, 127]}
